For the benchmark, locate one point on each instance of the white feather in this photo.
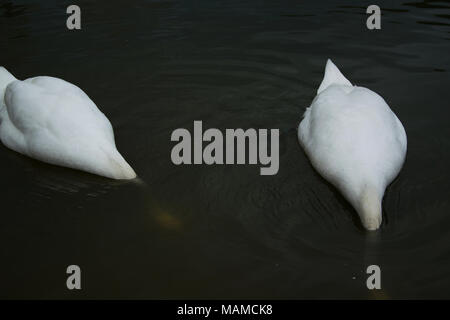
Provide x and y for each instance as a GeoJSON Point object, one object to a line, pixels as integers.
{"type": "Point", "coordinates": [54, 121]}
{"type": "Point", "coordinates": [354, 141]}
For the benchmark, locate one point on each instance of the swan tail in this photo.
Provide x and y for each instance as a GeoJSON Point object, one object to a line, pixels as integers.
{"type": "Point", "coordinates": [332, 76]}
{"type": "Point", "coordinates": [5, 78]}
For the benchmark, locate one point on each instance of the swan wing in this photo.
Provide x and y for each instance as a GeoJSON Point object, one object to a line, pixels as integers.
{"type": "Point", "coordinates": [56, 106]}
{"type": "Point", "coordinates": [57, 120]}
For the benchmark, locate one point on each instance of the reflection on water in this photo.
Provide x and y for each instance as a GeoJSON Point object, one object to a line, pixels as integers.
{"type": "Point", "coordinates": [226, 231]}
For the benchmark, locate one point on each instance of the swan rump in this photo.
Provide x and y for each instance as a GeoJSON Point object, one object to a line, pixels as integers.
{"type": "Point", "coordinates": [54, 121]}
{"type": "Point", "coordinates": [355, 141]}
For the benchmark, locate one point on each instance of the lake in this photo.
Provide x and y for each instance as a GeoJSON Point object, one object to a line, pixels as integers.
{"type": "Point", "coordinates": [225, 231]}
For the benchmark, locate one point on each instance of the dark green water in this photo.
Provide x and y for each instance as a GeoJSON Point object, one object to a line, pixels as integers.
{"type": "Point", "coordinates": [226, 231]}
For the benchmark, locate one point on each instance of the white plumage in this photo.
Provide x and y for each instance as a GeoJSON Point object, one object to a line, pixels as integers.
{"type": "Point", "coordinates": [355, 141]}
{"type": "Point", "coordinates": [54, 121]}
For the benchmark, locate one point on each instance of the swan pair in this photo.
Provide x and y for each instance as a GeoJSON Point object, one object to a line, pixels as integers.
{"type": "Point", "coordinates": [349, 133]}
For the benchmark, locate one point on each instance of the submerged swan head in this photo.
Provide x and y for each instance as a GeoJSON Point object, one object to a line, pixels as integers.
{"type": "Point", "coordinates": [355, 141]}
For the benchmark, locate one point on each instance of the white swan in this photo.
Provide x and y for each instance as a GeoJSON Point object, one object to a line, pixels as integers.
{"type": "Point", "coordinates": [354, 141]}
{"type": "Point", "coordinates": [54, 121]}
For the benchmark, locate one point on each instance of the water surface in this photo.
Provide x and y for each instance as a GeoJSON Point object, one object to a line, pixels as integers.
{"type": "Point", "coordinates": [226, 231]}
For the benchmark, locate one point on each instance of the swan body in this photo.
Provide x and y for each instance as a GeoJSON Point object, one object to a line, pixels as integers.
{"type": "Point", "coordinates": [54, 121]}
{"type": "Point", "coordinates": [355, 141]}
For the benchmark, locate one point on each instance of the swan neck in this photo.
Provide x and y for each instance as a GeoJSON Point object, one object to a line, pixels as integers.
{"type": "Point", "coordinates": [370, 210]}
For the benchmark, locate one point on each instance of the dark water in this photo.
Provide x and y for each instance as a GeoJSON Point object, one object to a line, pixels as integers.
{"type": "Point", "coordinates": [226, 231]}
